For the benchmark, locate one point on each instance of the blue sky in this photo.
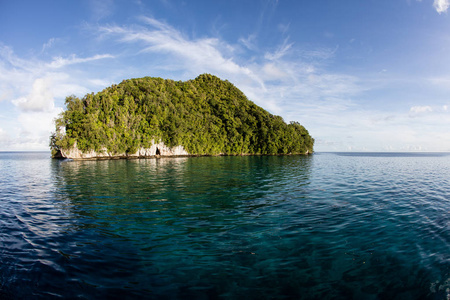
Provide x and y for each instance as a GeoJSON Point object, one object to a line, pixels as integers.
{"type": "Point", "coordinates": [369, 75]}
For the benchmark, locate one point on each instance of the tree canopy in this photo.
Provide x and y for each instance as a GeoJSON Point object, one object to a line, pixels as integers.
{"type": "Point", "coordinates": [207, 116]}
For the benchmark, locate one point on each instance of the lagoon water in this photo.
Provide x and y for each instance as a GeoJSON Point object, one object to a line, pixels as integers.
{"type": "Point", "coordinates": [325, 226]}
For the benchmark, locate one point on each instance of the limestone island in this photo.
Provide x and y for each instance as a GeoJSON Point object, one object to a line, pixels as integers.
{"type": "Point", "coordinates": [148, 117]}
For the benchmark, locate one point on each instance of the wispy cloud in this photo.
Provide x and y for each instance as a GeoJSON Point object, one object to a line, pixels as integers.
{"type": "Point", "coordinates": [214, 55]}
{"type": "Point", "coordinates": [280, 52]}
{"type": "Point", "coordinates": [421, 109]}
{"type": "Point", "coordinates": [441, 6]}
{"type": "Point", "coordinates": [59, 62]}
{"type": "Point", "coordinates": [51, 42]}
{"type": "Point", "coordinates": [285, 78]}
{"type": "Point", "coordinates": [440, 82]}
{"type": "Point", "coordinates": [31, 87]}
{"type": "Point", "coordinates": [287, 81]}
{"type": "Point", "coordinates": [284, 28]}
{"type": "Point", "coordinates": [249, 42]}
{"type": "Point", "coordinates": [200, 55]}
{"type": "Point", "coordinates": [30, 84]}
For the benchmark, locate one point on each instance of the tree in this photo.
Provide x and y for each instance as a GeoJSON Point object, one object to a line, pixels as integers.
{"type": "Point", "coordinates": [205, 115]}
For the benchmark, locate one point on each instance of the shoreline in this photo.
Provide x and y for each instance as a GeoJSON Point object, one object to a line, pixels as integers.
{"type": "Point", "coordinates": [119, 157]}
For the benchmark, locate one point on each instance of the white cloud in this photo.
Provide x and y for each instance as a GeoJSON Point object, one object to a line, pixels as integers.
{"type": "Point", "coordinates": [34, 87]}
{"type": "Point", "coordinates": [36, 125]}
{"type": "Point", "coordinates": [272, 72]}
{"type": "Point", "coordinates": [287, 80]}
{"type": "Point", "coordinates": [420, 109]}
{"type": "Point", "coordinates": [59, 62]}
{"type": "Point", "coordinates": [441, 6]}
{"type": "Point", "coordinates": [100, 82]}
{"type": "Point", "coordinates": [301, 80]}
{"type": "Point", "coordinates": [320, 53]}
{"type": "Point", "coordinates": [51, 42]}
{"type": "Point", "coordinates": [377, 131]}
{"type": "Point", "coordinates": [39, 99]}
{"type": "Point", "coordinates": [440, 82]}
{"type": "Point", "coordinates": [4, 137]}
{"type": "Point", "coordinates": [280, 52]}
{"type": "Point", "coordinates": [197, 55]}
{"type": "Point", "coordinates": [249, 42]}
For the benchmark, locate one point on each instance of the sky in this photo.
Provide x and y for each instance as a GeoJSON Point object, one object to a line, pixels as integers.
{"type": "Point", "coordinates": [370, 75]}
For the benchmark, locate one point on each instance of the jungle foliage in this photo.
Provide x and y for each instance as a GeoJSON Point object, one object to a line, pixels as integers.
{"type": "Point", "coordinates": [207, 116]}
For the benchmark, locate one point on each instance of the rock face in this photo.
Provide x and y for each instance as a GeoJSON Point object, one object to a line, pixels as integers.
{"type": "Point", "coordinates": [159, 149]}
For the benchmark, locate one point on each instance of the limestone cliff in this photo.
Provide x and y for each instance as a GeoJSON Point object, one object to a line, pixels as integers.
{"type": "Point", "coordinates": [159, 149]}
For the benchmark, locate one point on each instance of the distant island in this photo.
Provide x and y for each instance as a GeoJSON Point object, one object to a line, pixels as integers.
{"type": "Point", "coordinates": [149, 116]}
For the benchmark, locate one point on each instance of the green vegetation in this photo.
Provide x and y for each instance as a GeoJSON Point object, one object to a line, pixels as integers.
{"type": "Point", "coordinates": [207, 116]}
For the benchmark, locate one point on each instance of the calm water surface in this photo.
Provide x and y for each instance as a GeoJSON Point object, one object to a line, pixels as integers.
{"type": "Point", "coordinates": [327, 226]}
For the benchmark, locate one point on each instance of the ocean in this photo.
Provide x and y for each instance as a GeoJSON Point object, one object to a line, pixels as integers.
{"type": "Point", "coordinates": [324, 226]}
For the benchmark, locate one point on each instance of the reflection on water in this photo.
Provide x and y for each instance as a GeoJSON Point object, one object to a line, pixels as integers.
{"type": "Point", "coordinates": [323, 226]}
{"type": "Point", "coordinates": [180, 221]}
{"type": "Point", "coordinates": [215, 182]}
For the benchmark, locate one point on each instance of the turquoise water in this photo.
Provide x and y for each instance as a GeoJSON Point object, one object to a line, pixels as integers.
{"type": "Point", "coordinates": [326, 226]}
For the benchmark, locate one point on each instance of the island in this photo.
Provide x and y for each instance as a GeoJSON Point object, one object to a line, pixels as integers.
{"type": "Point", "coordinates": [151, 117]}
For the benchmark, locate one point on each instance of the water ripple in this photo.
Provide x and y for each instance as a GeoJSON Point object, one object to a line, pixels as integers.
{"type": "Point", "coordinates": [335, 226]}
